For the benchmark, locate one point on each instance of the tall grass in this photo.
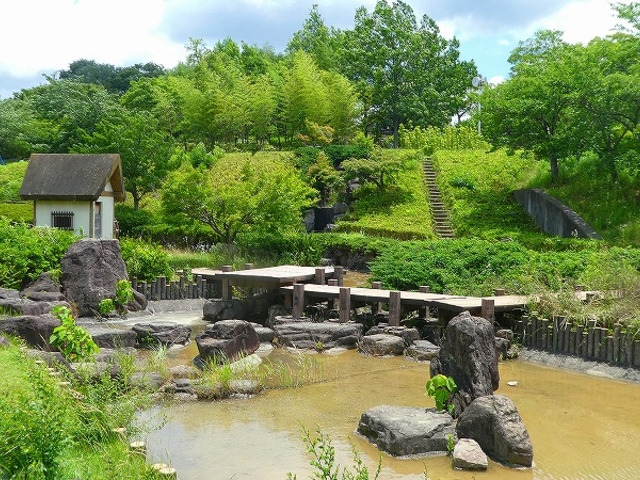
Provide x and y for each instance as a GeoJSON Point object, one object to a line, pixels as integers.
{"type": "Point", "coordinates": [53, 430]}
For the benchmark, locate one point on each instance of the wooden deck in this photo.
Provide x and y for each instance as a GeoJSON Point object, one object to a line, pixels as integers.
{"type": "Point", "coordinates": [298, 283]}
{"type": "Point", "coordinates": [447, 305]}
{"type": "Point", "coordinates": [280, 275]}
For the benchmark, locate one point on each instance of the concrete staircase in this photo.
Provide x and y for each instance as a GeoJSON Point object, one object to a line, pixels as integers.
{"type": "Point", "coordinates": [438, 210]}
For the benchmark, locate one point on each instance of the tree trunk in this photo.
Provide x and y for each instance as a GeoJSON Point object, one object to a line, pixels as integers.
{"type": "Point", "coordinates": [554, 168]}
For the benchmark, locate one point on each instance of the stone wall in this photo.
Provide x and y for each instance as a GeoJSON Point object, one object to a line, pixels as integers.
{"type": "Point", "coordinates": [553, 216]}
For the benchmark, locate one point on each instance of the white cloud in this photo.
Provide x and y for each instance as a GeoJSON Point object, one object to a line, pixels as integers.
{"type": "Point", "coordinates": [583, 20]}
{"type": "Point", "coordinates": [53, 33]}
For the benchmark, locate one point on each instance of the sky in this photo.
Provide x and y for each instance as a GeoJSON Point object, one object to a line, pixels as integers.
{"type": "Point", "coordinates": [40, 37]}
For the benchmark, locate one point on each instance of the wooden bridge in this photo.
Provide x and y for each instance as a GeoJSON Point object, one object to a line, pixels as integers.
{"type": "Point", "coordinates": [299, 284]}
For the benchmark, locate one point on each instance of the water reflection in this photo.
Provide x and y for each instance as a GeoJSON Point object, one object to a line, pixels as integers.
{"type": "Point", "coordinates": [582, 427]}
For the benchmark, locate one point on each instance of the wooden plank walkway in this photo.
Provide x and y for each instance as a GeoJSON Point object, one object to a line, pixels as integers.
{"type": "Point", "coordinates": [448, 305]}
{"type": "Point", "coordinates": [280, 275]}
{"type": "Point", "coordinates": [298, 282]}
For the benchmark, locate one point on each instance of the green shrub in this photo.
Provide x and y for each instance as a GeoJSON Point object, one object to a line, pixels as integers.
{"type": "Point", "coordinates": [53, 430]}
{"type": "Point", "coordinates": [304, 157]}
{"type": "Point", "coordinates": [145, 261]}
{"type": "Point", "coordinates": [26, 252]}
{"type": "Point", "coordinates": [440, 388]}
{"type": "Point", "coordinates": [73, 341]}
{"type": "Point", "coordinates": [339, 153]}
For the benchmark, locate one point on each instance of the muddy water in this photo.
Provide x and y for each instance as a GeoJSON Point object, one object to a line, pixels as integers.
{"type": "Point", "coordinates": [582, 427]}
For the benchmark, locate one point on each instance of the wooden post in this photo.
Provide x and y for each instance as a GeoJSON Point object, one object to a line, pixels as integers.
{"type": "Point", "coordinates": [394, 308]}
{"type": "Point", "coordinates": [226, 283]}
{"type": "Point", "coordinates": [162, 288]}
{"type": "Point", "coordinates": [376, 306]}
{"type": "Point", "coordinates": [338, 273]}
{"type": "Point", "coordinates": [488, 309]}
{"type": "Point", "coordinates": [319, 276]}
{"type": "Point", "coordinates": [298, 300]}
{"type": "Point", "coordinates": [333, 302]}
{"type": "Point", "coordinates": [545, 333]}
{"type": "Point", "coordinates": [249, 266]}
{"type": "Point", "coordinates": [498, 292]}
{"type": "Point", "coordinates": [345, 304]}
{"type": "Point", "coordinates": [636, 353]}
{"type": "Point", "coordinates": [138, 447]}
{"type": "Point", "coordinates": [181, 290]}
{"type": "Point", "coordinates": [616, 343]}
{"type": "Point", "coordinates": [424, 311]}
{"type": "Point", "coordinates": [199, 286]}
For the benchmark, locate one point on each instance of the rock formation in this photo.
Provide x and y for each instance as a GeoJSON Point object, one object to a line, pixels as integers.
{"type": "Point", "coordinates": [468, 354]}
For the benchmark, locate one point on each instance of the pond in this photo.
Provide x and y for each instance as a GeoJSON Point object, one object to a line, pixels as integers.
{"type": "Point", "coordinates": [581, 426]}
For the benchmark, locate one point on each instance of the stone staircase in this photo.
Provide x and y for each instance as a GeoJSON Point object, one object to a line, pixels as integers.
{"type": "Point", "coordinates": [438, 210]}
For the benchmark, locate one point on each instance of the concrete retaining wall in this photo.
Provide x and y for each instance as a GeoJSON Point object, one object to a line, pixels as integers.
{"type": "Point", "coordinates": [553, 216]}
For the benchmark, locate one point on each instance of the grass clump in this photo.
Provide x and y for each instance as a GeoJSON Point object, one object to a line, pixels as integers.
{"type": "Point", "coordinates": [52, 430]}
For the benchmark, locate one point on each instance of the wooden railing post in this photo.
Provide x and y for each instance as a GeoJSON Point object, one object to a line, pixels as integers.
{"type": "Point", "coordinates": [345, 304]}
{"type": "Point", "coordinates": [226, 283]}
{"type": "Point", "coordinates": [298, 300]}
{"type": "Point", "coordinates": [488, 309]}
{"type": "Point", "coordinates": [377, 306]}
{"type": "Point", "coordinates": [394, 308]}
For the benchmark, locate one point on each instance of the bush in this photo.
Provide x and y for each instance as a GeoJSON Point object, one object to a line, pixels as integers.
{"type": "Point", "coordinates": [304, 157]}
{"type": "Point", "coordinates": [26, 252]}
{"type": "Point", "coordinates": [145, 261]}
{"type": "Point", "coordinates": [338, 153]}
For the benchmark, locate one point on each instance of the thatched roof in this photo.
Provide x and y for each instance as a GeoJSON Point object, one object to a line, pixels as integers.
{"type": "Point", "coordinates": [72, 176]}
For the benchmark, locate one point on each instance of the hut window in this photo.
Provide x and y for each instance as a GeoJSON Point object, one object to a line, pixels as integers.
{"type": "Point", "coordinates": [62, 220]}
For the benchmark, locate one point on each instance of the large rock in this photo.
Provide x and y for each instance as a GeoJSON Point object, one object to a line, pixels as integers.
{"type": "Point", "coordinates": [494, 422]}
{"type": "Point", "coordinates": [24, 306]}
{"type": "Point", "coordinates": [402, 431]}
{"type": "Point", "coordinates": [227, 340]}
{"type": "Point", "coordinates": [34, 329]}
{"type": "Point", "coordinates": [91, 268]}
{"type": "Point", "coordinates": [323, 335]}
{"type": "Point", "coordinates": [150, 334]}
{"type": "Point", "coordinates": [106, 337]}
{"type": "Point", "coordinates": [382, 344]}
{"type": "Point", "coordinates": [467, 455]}
{"type": "Point", "coordinates": [468, 354]}
{"type": "Point", "coordinates": [422, 350]}
{"type": "Point", "coordinates": [408, 334]}
{"type": "Point", "coordinates": [44, 289]}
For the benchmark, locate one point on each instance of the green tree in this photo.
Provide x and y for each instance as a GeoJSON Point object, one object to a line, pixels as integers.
{"type": "Point", "coordinates": [145, 151]}
{"type": "Point", "coordinates": [533, 109]}
{"type": "Point", "coordinates": [404, 71]}
{"type": "Point", "coordinates": [237, 195]}
{"type": "Point", "coordinates": [378, 169]}
{"type": "Point", "coordinates": [72, 109]}
{"type": "Point", "coordinates": [318, 40]}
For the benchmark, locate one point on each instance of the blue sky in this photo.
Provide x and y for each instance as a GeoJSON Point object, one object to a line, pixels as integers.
{"type": "Point", "coordinates": [39, 37]}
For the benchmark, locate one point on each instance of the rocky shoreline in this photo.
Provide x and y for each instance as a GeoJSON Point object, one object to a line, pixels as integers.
{"type": "Point", "coordinates": [576, 364]}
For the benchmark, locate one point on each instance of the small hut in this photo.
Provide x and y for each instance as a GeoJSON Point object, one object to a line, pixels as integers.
{"type": "Point", "coordinates": [75, 192]}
